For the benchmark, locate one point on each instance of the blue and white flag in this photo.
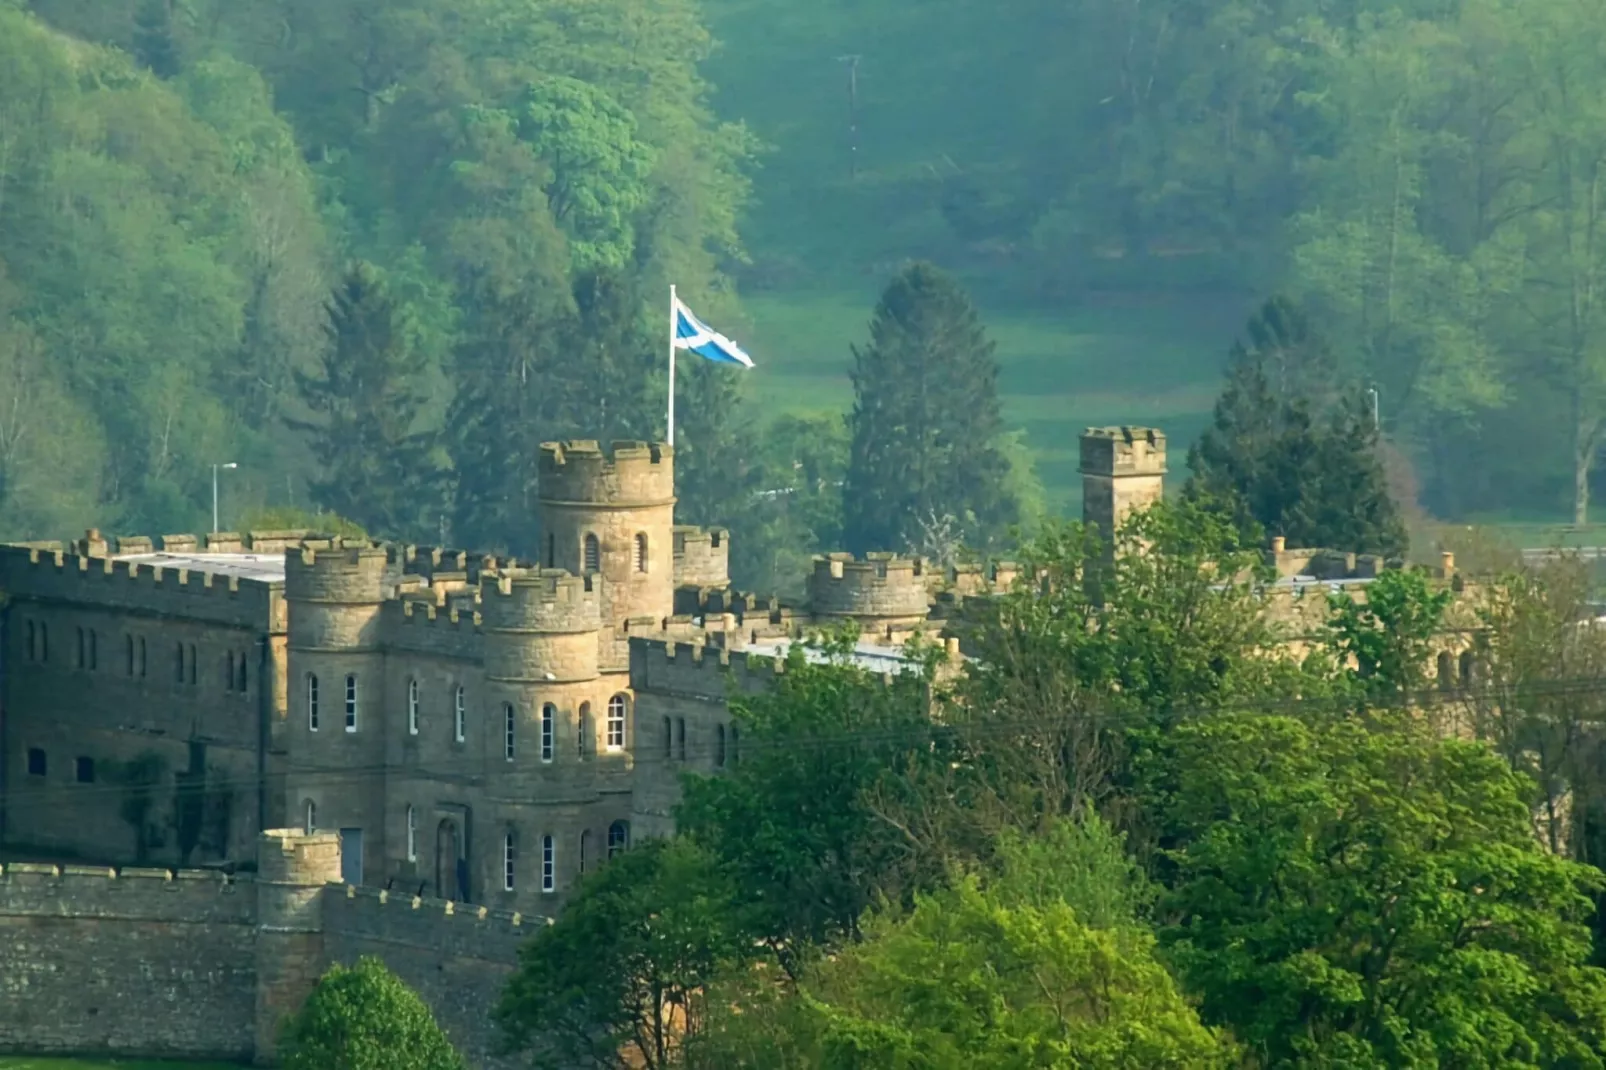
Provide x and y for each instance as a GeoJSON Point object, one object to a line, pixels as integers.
{"type": "Point", "coordinates": [691, 333]}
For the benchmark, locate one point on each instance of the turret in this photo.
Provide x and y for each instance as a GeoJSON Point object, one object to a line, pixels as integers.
{"type": "Point", "coordinates": [336, 720]}
{"type": "Point", "coordinates": [293, 869]}
{"type": "Point", "coordinates": [1123, 470]}
{"type": "Point", "coordinates": [883, 592]}
{"type": "Point", "coordinates": [612, 512]}
{"type": "Point", "coordinates": [540, 627]}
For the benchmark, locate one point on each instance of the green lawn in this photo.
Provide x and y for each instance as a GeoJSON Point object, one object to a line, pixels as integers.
{"type": "Point", "coordinates": [1152, 362]}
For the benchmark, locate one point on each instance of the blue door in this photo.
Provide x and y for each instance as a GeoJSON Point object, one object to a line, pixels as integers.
{"type": "Point", "coordinates": [351, 856]}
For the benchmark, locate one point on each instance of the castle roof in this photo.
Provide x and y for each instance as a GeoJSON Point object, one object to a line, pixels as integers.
{"type": "Point", "coordinates": [874, 657]}
{"type": "Point", "coordinates": [263, 568]}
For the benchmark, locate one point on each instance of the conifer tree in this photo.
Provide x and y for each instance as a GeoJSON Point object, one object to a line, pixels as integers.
{"type": "Point", "coordinates": [376, 464]}
{"type": "Point", "coordinates": [154, 44]}
{"type": "Point", "coordinates": [1289, 452]}
{"type": "Point", "coordinates": [926, 422]}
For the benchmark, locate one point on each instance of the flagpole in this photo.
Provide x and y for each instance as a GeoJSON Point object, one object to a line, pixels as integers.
{"type": "Point", "coordinates": [672, 364]}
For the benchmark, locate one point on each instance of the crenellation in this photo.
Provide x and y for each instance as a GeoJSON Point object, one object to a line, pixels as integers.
{"type": "Point", "coordinates": [427, 629]}
{"type": "Point", "coordinates": [630, 473]}
{"type": "Point", "coordinates": [701, 556]}
{"type": "Point", "coordinates": [133, 586]}
{"type": "Point", "coordinates": [878, 590]}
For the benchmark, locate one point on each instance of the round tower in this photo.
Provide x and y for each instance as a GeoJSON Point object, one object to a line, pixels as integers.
{"type": "Point", "coordinates": [612, 513]}
{"type": "Point", "coordinates": [336, 683]}
{"type": "Point", "coordinates": [885, 593]}
{"type": "Point", "coordinates": [293, 869]}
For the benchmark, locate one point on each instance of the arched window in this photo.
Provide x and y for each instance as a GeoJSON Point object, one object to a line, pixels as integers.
{"type": "Point", "coordinates": [1446, 671]}
{"type": "Point", "coordinates": [412, 834]}
{"type": "Point", "coordinates": [412, 707]}
{"type": "Point", "coordinates": [1469, 668]}
{"type": "Point", "coordinates": [243, 677]}
{"type": "Point", "coordinates": [641, 553]}
{"type": "Point", "coordinates": [616, 723]}
{"type": "Point", "coordinates": [736, 744]}
{"type": "Point", "coordinates": [592, 560]}
{"type": "Point", "coordinates": [549, 727]}
{"type": "Point", "coordinates": [459, 713]}
{"type": "Point", "coordinates": [509, 847]}
{"type": "Point", "coordinates": [192, 663]}
{"type": "Point", "coordinates": [509, 722]}
{"type": "Point", "coordinates": [312, 817]}
{"type": "Point", "coordinates": [585, 848]}
{"type": "Point", "coordinates": [130, 652]}
{"type": "Point", "coordinates": [680, 737]}
{"type": "Point", "coordinates": [669, 738]}
{"type": "Point", "coordinates": [583, 730]}
{"type": "Point", "coordinates": [719, 745]}
{"type": "Point", "coordinates": [618, 837]}
{"type": "Point", "coordinates": [351, 703]}
{"type": "Point", "coordinates": [312, 702]}
{"type": "Point", "coordinates": [549, 865]}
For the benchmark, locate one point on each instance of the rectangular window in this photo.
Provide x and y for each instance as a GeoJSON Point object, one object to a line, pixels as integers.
{"type": "Point", "coordinates": [84, 770]}
{"type": "Point", "coordinates": [508, 849]}
{"type": "Point", "coordinates": [312, 703]}
{"type": "Point", "coordinates": [549, 718]}
{"type": "Point", "coordinates": [508, 723]}
{"type": "Point", "coordinates": [80, 648]}
{"type": "Point", "coordinates": [680, 737]}
{"type": "Point", "coordinates": [412, 707]}
{"type": "Point", "coordinates": [44, 641]}
{"type": "Point", "coordinates": [412, 835]}
{"type": "Point", "coordinates": [351, 704]}
{"type": "Point", "coordinates": [142, 656]}
{"type": "Point", "coordinates": [178, 663]}
{"type": "Point", "coordinates": [36, 762]}
{"type": "Point", "coordinates": [549, 865]}
{"type": "Point", "coordinates": [459, 714]}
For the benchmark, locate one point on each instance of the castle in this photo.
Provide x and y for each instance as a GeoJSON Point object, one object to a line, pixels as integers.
{"type": "Point", "coordinates": [470, 733]}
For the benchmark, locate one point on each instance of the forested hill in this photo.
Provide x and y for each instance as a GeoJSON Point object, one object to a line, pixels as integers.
{"type": "Point", "coordinates": [183, 184]}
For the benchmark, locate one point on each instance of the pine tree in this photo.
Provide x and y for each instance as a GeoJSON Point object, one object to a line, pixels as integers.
{"type": "Point", "coordinates": [377, 464]}
{"type": "Point", "coordinates": [154, 44]}
{"type": "Point", "coordinates": [926, 421]}
{"type": "Point", "coordinates": [1291, 453]}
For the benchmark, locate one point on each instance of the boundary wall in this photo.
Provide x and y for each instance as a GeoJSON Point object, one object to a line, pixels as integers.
{"type": "Point", "coordinates": [195, 964]}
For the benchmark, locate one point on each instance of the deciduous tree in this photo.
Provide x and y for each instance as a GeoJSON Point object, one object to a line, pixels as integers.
{"type": "Point", "coordinates": [363, 1017]}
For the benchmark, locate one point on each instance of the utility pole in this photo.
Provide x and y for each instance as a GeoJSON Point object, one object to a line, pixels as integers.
{"type": "Point", "coordinates": [215, 467]}
{"type": "Point", "coordinates": [853, 113]}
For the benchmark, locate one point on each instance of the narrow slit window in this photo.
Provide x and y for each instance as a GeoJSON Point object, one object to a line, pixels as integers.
{"type": "Point", "coordinates": [412, 707]}
{"type": "Point", "coordinates": [351, 703]}
{"type": "Point", "coordinates": [142, 655]}
{"type": "Point", "coordinates": [192, 663]}
{"type": "Point", "coordinates": [312, 703]}
{"type": "Point", "coordinates": [311, 817]}
{"type": "Point", "coordinates": [549, 865]}
{"type": "Point", "coordinates": [549, 727]}
{"type": "Point", "coordinates": [459, 713]}
{"type": "Point", "coordinates": [680, 737]}
{"type": "Point", "coordinates": [719, 745]}
{"type": "Point", "coordinates": [509, 724]}
{"type": "Point", "coordinates": [412, 834]}
{"type": "Point", "coordinates": [593, 554]}
{"type": "Point", "coordinates": [94, 650]}
{"type": "Point", "coordinates": [583, 730]}
{"type": "Point", "coordinates": [509, 856]}
{"type": "Point", "coordinates": [641, 553]}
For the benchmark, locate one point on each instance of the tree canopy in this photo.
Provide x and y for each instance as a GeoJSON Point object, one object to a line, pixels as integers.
{"type": "Point", "coordinates": [362, 1017]}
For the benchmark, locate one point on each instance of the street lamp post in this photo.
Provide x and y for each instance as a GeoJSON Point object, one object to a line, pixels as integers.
{"type": "Point", "coordinates": [215, 468]}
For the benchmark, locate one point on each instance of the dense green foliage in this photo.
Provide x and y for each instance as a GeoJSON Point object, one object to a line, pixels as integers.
{"type": "Point", "coordinates": [1132, 830]}
{"type": "Point", "coordinates": [364, 1018]}
{"type": "Point", "coordinates": [1291, 452]}
{"type": "Point", "coordinates": [925, 449]}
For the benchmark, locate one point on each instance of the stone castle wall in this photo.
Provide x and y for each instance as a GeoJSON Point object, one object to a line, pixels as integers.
{"type": "Point", "coordinates": [198, 965]}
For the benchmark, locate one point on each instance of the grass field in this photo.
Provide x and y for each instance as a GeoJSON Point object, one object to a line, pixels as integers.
{"type": "Point", "coordinates": [1155, 363]}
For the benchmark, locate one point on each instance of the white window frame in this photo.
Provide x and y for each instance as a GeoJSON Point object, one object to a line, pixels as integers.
{"type": "Point", "coordinates": [459, 714]}
{"type": "Point", "coordinates": [509, 731]}
{"type": "Point", "coordinates": [549, 731]}
{"type": "Point", "coordinates": [509, 859]}
{"type": "Point", "coordinates": [412, 706]}
{"type": "Point", "coordinates": [412, 834]}
{"type": "Point", "coordinates": [549, 865]}
{"type": "Point", "coordinates": [311, 817]}
{"type": "Point", "coordinates": [351, 702]}
{"type": "Point", "coordinates": [618, 711]}
{"type": "Point", "coordinates": [312, 702]}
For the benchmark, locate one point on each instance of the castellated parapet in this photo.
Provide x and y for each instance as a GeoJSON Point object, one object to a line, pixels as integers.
{"type": "Point", "coordinates": [879, 591]}
{"type": "Point", "coordinates": [118, 584]}
{"type": "Point", "coordinates": [631, 474]}
{"type": "Point", "coordinates": [540, 626]}
{"type": "Point", "coordinates": [337, 594]}
{"type": "Point", "coordinates": [1123, 470]}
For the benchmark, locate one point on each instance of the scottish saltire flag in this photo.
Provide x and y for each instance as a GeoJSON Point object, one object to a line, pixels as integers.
{"type": "Point", "coordinates": [691, 333]}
